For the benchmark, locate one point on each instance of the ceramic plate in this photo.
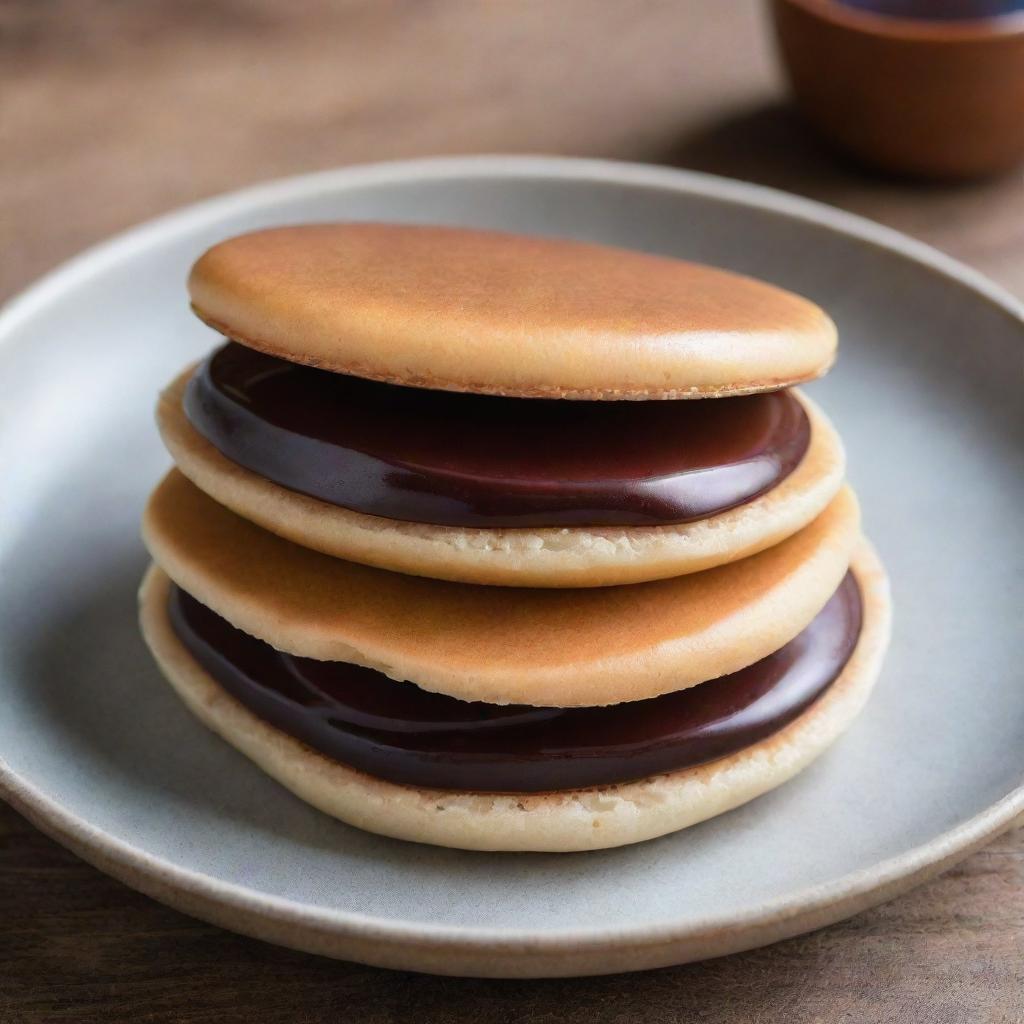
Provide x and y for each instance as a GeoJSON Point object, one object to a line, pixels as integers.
{"type": "Point", "coordinates": [99, 753]}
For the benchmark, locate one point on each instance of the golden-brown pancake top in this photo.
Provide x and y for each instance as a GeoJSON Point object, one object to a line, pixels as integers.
{"type": "Point", "coordinates": [500, 645]}
{"type": "Point", "coordinates": [485, 311]}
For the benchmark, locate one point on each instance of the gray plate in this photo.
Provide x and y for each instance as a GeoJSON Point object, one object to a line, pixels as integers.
{"type": "Point", "coordinates": [98, 752]}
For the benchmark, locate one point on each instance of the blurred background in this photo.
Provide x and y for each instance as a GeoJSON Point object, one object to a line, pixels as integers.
{"type": "Point", "coordinates": [112, 111]}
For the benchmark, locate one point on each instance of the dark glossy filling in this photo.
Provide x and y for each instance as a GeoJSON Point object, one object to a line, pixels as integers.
{"type": "Point", "coordinates": [398, 732]}
{"type": "Point", "coordinates": [482, 461]}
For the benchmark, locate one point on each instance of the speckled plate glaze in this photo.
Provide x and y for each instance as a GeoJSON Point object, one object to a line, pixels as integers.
{"type": "Point", "coordinates": [98, 752]}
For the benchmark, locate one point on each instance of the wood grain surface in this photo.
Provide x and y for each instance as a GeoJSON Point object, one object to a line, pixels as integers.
{"type": "Point", "coordinates": [112, 111]}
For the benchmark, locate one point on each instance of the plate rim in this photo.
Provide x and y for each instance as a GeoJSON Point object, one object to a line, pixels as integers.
{"type": "Point", "coordinates": [479, 950]}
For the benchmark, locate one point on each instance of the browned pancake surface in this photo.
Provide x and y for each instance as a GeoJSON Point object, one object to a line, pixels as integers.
{"type": "Point", "coordinates": [501, 645]}
{"type": "Point", "coordinates": [490, 312]}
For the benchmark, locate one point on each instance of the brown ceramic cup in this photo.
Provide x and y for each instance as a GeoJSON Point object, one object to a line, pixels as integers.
{"type": "Point", "coordinates": [936, 98]}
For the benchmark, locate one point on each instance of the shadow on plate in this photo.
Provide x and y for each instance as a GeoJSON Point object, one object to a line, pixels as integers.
{"type": "Point", "coordinates": [86, 671]}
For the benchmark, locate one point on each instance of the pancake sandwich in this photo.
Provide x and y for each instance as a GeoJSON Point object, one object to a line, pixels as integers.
{"type": "Point", "coordinates": [495, 409]}
{"type": "Point", "coordinates": [507, 543]}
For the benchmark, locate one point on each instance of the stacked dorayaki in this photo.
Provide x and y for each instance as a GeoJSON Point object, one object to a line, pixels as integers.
{"type": "Point", "coordinates": [507, 543]}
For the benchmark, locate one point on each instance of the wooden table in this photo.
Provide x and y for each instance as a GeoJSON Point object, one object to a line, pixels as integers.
{"type": "Point", "coordinates": [111, 112]}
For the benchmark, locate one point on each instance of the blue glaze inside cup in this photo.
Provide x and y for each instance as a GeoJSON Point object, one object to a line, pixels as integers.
{"type": "Point", "coordinates": [938, 10]}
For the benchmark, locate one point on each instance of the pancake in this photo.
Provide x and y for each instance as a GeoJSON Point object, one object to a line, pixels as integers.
{"type": "Point", "coordinates": [531, 556]}
{"type": "Point", "coordinates": [561, 648]}
{"type": "Point", "coordinates": [556, 821]}
{"type": "Point", "coordinates": [488, 312]}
